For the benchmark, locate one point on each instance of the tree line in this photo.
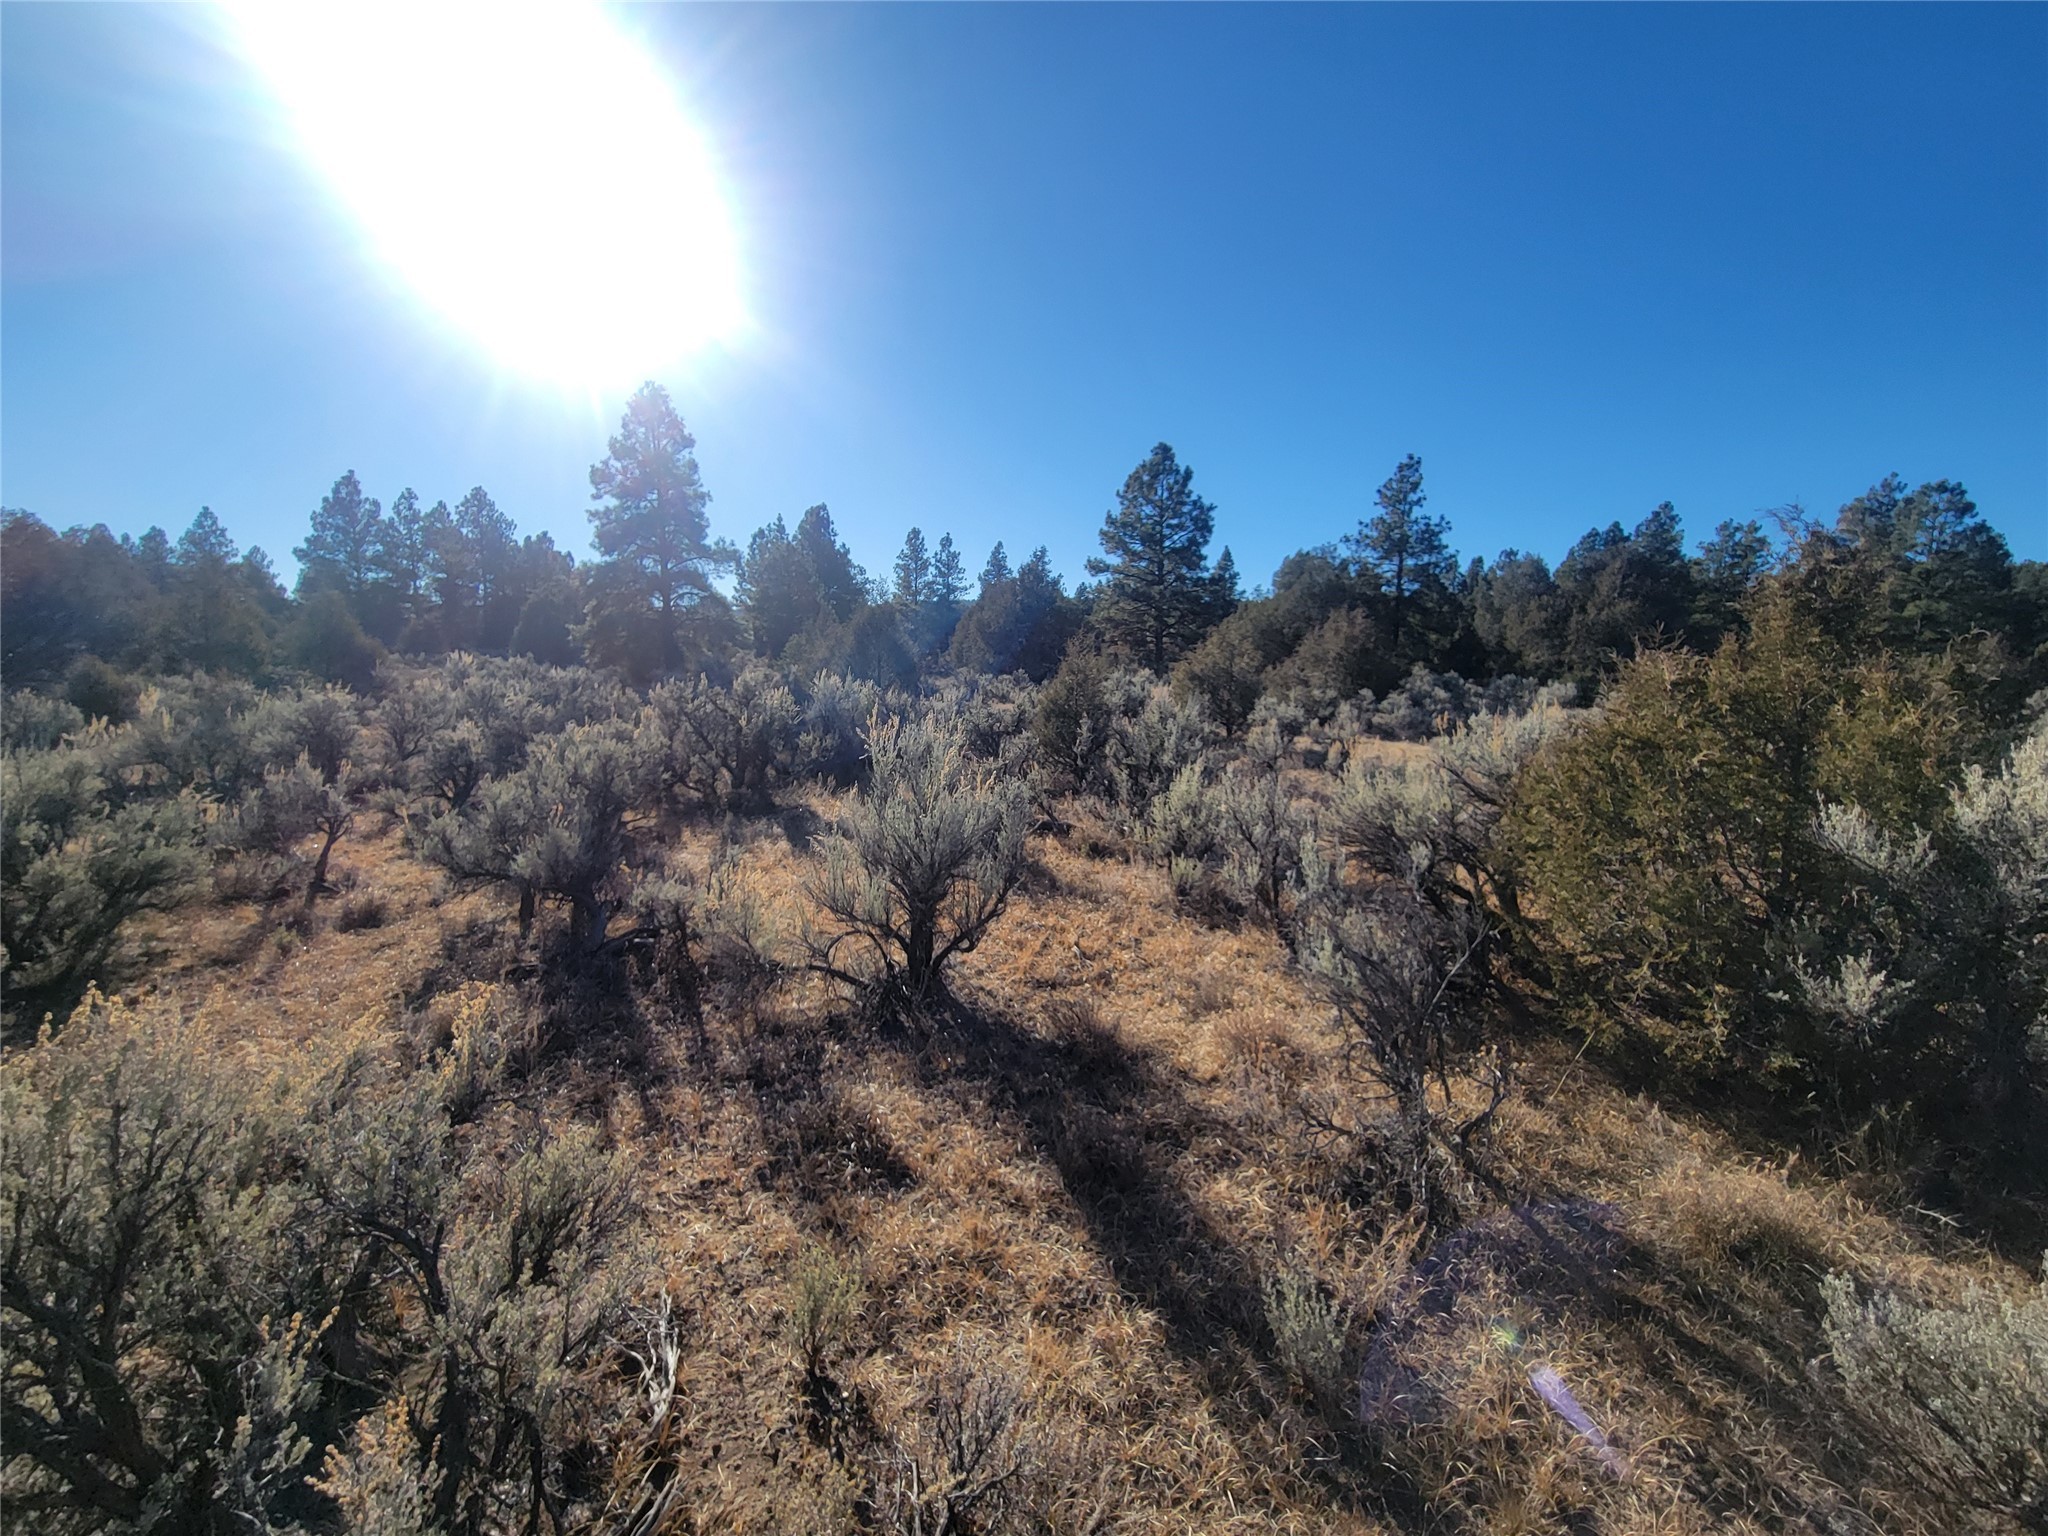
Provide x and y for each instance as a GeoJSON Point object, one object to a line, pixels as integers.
{"type": "Point", "coordinates": [1917, 570]}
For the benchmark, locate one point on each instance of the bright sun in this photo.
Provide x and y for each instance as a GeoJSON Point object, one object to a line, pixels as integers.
{"type": "Point", "coordinates": [525, 167]}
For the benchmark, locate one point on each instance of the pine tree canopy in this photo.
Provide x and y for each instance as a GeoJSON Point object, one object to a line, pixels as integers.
{"type": "Point", "coordinates": [913, 572]}
{"type": "Point", "coordinates": [341, 546]}
{"type": "Point", "coordinates": [1409, 552]}
{"type": "Point", "coordinates": [651, 527]}
{"type": "Point", "coordinates": [1157, 596]}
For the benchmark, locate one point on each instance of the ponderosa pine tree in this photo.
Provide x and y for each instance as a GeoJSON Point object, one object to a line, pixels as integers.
{"type": "Point", "coordinates": [1726, 570]}
{"type": "Point", "coordinates": [650, 594]}
{"type": "Point", "coordinates": [46, 626]}
{"type": "Point", "coordinates": [400, 561]}
{"type": "Point", "coordinates": [948, 595]}
{"type": "Point", "coordinates": [1159, 596]}
{"type": "Point", "coordinates": [1019, 623]}
{"type": "Point", "coordinates": [778, 590]}
{"type": "Point", "coordinates": [1957, 569]}
{"type": "Point", "coordinates": [1411, 555]}
{"type": "Point", "coordinates": [341, 549]}
{"type": "Point", "coordinates": [913, 573]}
{"type": "Point", "coordinates": [1224, 591]}
{"type": "Point", "coordinates": [474, 567]}
{"type": "Point", "coordinates": [997, 569]}
{"type": "Point", "coordinates": [216, 619]}
{"type": "Point", "coordinates": [1519, 615]}
{"type": "Point", "coordinates": [843, 584]}
{"type": "Point", "coordinates": [1621, 589]}
{"type": "Point", "coordinates": [949, 575]}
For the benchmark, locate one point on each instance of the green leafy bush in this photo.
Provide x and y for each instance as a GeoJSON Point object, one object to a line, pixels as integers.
{"type": "Point", "coordinates": [1671, 844]}
{"type": "Point", "coordinates": [1929, 973]}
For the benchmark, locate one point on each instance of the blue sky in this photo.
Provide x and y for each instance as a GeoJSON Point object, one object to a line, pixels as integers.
{"type": "Point", "coordinates": [1581, 259]}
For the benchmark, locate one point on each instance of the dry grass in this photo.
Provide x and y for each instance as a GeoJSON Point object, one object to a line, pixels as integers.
{"type": "Point", "coordinates": [1082, 1176]}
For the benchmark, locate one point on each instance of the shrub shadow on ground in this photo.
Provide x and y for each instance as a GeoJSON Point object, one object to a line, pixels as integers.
{"type": "Point", "coordinates": [1109, 1118]}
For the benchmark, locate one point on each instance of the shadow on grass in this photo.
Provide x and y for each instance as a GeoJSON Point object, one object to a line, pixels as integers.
{"type": "Point", "coordinates": [1961, 1170]}
{"type": "Point", "coordinates": [1111, 1120]}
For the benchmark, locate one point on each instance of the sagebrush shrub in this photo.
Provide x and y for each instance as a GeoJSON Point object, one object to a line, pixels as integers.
{"type": "Point", "coordinates": [994, 713]}
{"type": "Point", "coordinates": [76, 869]}
{"type": "Point", "coordinates": [409, 714]}
{"type": "Point", "coordinates": [1433, 820]}
{"type": "Point", "coordinates": [290, 806]}
{"type": "Point", "coordinates": [143, 1238]}
{"type": "Point", "coordinates": [191, 733]}
{"type": "Point", "coordinates": [1180, 826]}
{"type": "Point", "coordinates": [1308, 1334]}
{"type": "Point", "coordinates": [318, 725]}
{"type": "Point", "coordinates": [558, 829]}
{"type": "Point", "coordinates": [923, 861]}
{"type": "Point", "coordinates": [729, 747]}
{"type": "Point", "coordinates": [1402, 977]}
{"type": "Point", "coordinates": [1259, 829]}
{"type": "Point", "coordinates": [824, 1305]}
{"type": "Point", "coordinates": [1961, 1391]}
{"type": "Point", "coordinates": [830, 744]}
{"type": "Point", "coordinates": [1143, 750]}
{"type": "Point", "coordinates": [36, 722]}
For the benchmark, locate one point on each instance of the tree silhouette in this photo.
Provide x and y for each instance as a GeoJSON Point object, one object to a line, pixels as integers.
{"type": "Point", "coordinates": [650, 592]}
{"type": "Point", "coordinates": [1407, 550]}
{"type": "Point", "coordinates": [1158, 595]}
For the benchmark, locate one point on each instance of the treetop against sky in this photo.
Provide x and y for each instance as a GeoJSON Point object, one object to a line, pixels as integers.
{"type": "Point", "coordinates": [959, 268]}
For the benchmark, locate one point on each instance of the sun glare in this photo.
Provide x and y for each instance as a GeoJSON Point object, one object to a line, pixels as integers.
{"type": "Point", "coordinates": [526, 168]}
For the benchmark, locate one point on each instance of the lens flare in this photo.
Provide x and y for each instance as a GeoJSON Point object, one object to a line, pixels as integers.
{"type": "Point", "coordinates": [527, 170]}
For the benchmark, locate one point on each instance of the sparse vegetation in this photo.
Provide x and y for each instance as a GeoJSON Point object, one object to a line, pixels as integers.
{"type": "Point", "coordinates": [1962, 1391]}
{"type": "Point", "coordinates": [1343, 1080]}
{"type": "Point", "coordinates": [922, 863]}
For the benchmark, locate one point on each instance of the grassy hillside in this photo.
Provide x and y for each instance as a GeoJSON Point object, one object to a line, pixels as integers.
{"type": "Point", "coordinates": [1089, 1247]}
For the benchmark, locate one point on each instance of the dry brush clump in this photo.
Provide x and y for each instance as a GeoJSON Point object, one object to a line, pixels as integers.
{"type": "Point", "coordinates": [241, 1301]}
{"type": "Point", "coordinates": [558, 829]}
{"type": "Point", "coordinates": [922, 862]}
{"type": "Point", "coordinates": [79, 862]}
{"type": "Point", "coordinates": [1959, 1391]}
{"type": "Point", "coordinates": [1405, 981]}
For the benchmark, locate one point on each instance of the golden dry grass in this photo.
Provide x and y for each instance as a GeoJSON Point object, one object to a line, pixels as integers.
{"type": "Point", "coordinates": [1079, 1176]}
